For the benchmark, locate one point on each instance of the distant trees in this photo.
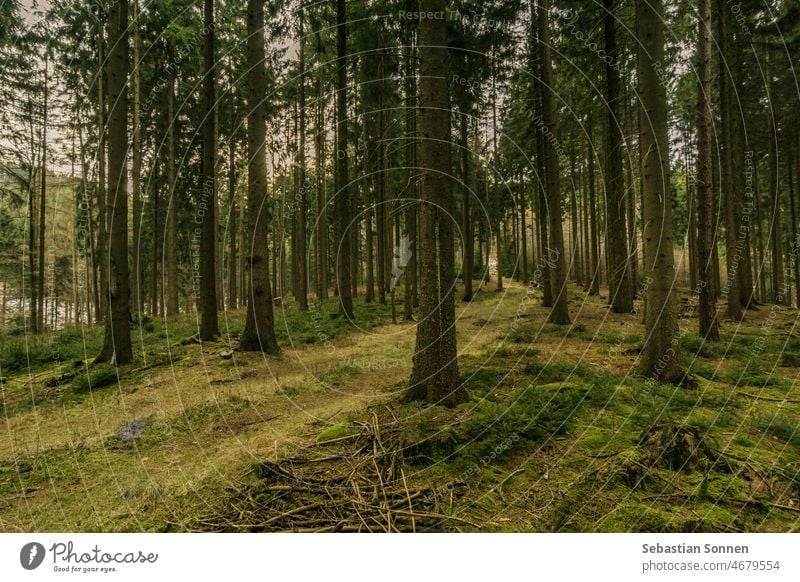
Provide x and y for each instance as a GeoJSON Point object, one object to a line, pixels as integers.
{"type": "Point", "coordinates": [545, 178]}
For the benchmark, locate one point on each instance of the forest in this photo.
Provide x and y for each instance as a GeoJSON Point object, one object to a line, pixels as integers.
{"type": "Point", "coordinates": [399, 265]}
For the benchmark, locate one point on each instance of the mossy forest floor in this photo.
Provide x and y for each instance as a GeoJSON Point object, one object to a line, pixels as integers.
{"type": "Point", "coordinates": [559, 434]}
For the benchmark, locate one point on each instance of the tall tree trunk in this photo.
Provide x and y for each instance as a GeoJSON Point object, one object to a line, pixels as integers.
{"type": "Point", "coordinates": [259, 329]}
{"type": "Point", "coordinates": [233, 208]}
{"type": "Point", "coordinates": [559, 314]}
{"type": "Point", "coordinates": [793, 247]}
{"type": "Point", "coordinates": [574, 251]}
{"type": "Point", "coordinates": [136, 167]}
{"type": "Point", "coordinates": [40, 325]}
{"type": "Point", "coordinates": [33, 319]}
{"type": "Point", "coordinates": [741, 166]}
{"type": "Point", "coordinates": [732, 202]}
{"type": "Point", "coordinates": [301, 292]}
{"type": "Point", "coordinates": [619, 275]}
{"type": "Point", "coordinates": [779, 293]}
{"type": "Point", "coordinates": [321, 231]}
{"type": "Point", "coordinates": [410, 274]}
{"type": "Point", "coordinates": [342, 206]}
{"type": "Point", "coordinates": [594, 285]}
{"type": "Point", "coordinates": [661, 354]}
{"type": "Point", "coordinates": [466, 214]}
{"type": "Point", "coordinates": [496, 196]}
{"type": "Point", "coordinates": [540, 197]}
{"type": "Point", "coordinates": [209, 327]}
{"type": "Point", "coordinates": [761, 275]}
{"type": "Point", "coordinates": [709, 324]}
{"type": "Point", "coordinates": [117, 343]}
{"type": "Point", "coordinates": [171, 234]}
{"type": "Point", "coordinates": [434, 377]}
{"type": "Point", "coordinates": [102, 219]}
{"type": "Point", "coordinates": [523, 218]}
{"type": "Point", "coordinates": [157, 244]}
{"type": "Point", "coordinates": [691, 222]}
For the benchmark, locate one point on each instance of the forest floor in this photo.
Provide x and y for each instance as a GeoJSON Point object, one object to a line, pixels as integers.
{"type": "Point", "coordinates": [559, 434]}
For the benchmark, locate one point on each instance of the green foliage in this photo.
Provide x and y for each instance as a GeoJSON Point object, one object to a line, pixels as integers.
{"type": "Point", "coordinates": [753, 372]}
{"type": "Point", "coordinates": [780, 426]}
{"type": "Point", "coordinates": [496, 429]}
{"type": "Point", "coordinates": [96, 378]}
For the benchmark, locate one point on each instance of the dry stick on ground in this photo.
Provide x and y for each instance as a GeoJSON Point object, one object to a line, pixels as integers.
{"type": "Point", "coordinates": [769, 398]}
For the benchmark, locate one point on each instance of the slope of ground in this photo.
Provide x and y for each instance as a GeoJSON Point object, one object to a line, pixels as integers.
{"type": "Point", "coordinates": [560, 434]}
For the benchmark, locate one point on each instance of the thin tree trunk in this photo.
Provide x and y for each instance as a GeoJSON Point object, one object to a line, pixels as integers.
{"type": "Point", "coordinates": [594, 286]}
{"type": "Point", "coordinates": [779, 293]}
{"type": "Point", "coordinates": [731, 195]}
{"type": "Point", "coordinates": [40, 325]}
{"type": "Point", "coordinates": [466, 214]}
{"type": "Point", "coordinates": [136, 167]}
{"type": "Point", "coordinates": [171, 235]}
{"type": "Point", "coordinates": [620, 286]}
{"type": "Point", "coordinates": [102, 224]}
{"type": "Point", "coordinates": [233, 208]}
{"type": "Point", "coordinates": [709, 324]}
{"type": "Point", "coordinates": [209, 327]}
{"type": "Point", "coordinates": [410, 274]}
{"type": "Point", "coordinates": [322, 211]}
{"type": "Point", "coordinates": [342, 204]}
{"type": "Point", "coordinates": [301, 292]}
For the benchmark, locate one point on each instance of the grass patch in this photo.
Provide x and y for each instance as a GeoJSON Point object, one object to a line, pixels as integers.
{"type": "Point", "coordinates": [96, 378]}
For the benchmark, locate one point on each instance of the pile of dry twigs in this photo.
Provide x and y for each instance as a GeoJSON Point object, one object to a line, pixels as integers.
{"type": "Point", "coordinates": [355, 483]}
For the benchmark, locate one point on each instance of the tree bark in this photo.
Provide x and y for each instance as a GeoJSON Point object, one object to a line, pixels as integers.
{"type": "Point", "coordinates": [40, 324]}
{"type": "Point", "coordinates": [171, 234]}
{"type": "Point", "coordinates": [661, 354]}
{"type": "Point", "coordinates": [559, 314]}
{"type": "Point", "coordinates": [620, 286]}
{"type": "Point", "coordinates": [732, 201]}
{"type": "Point", "coordinates": [136, 166]}
{"type": "Point", "coordinates": [709, 324]}
{"type": "Point", "coordinates": [209, 326]}
{"type": "Point", "coordinates": [259, 329]}
{"type": "Point", "coordinates": [434, 377]}
{"type": "Point", "coordinates": [301, 292]}
{"type": "Point", "coordinates": [342, 206]}
{"type": "Point", "coordinates": [117, 342]}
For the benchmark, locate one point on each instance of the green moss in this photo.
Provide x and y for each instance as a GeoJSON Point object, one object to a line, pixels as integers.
{"type": "Point", "coordinates": [96, 378]}
{"type": "Point", "coordinates": [336, 431]}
